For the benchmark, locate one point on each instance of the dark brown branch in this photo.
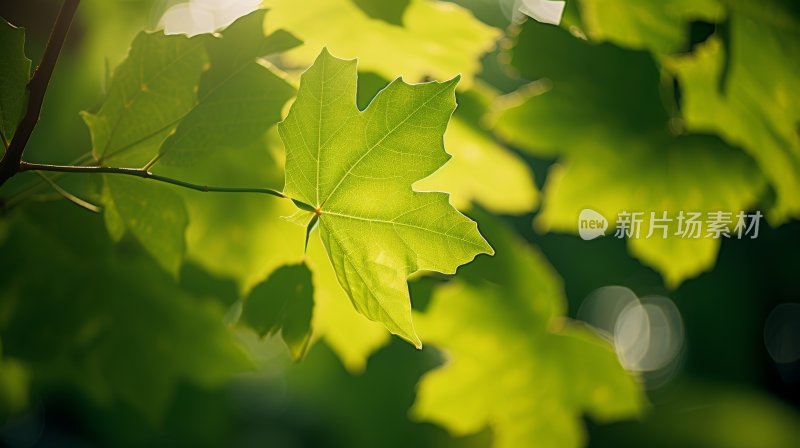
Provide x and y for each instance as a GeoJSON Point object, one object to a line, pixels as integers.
{"type": "Point", "coordinates": [9, 165]}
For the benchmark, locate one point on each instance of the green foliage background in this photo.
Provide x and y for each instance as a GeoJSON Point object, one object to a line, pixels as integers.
{"type": "Point", "coordinates": [184, 318]}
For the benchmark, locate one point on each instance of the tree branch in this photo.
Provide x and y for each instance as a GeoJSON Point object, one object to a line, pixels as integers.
{"type": "Point", "coordinates": [10, 164]}
{"type": "Point", "coordinates": [144, 174]}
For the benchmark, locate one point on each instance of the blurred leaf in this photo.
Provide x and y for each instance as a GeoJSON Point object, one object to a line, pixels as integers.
{"type": "Point", "coordinates": [437, 40]}
{"type": "Point", "coordinates": [691, 173]}
{"type": "Point", "coordinates": [153, 213]}
{"type": "Point", "coordinates": [751, 103]}
{"type": "Point", "coordinates": [150, 92]}
{"type": "Point", "coordinates": [239, 235]}
{"type": "Point", "coordinates": [105, 319]}
{"type": "Point", "coordinates": [14, 387]}
{"type": "Point", "coordinates": [189, 97]}
{"type": "Point", "coordinates": [521, 270]}
{"type": "Point", "coordinates": [662, 27]}
{"type": "Point", "coordinates": [14, 74]}
{"type": "Point", "coordinates": [617, 151]}
{"type": "Point", "coordinates": [390, 11]}
{"type": "Point", "coordinates": [520, 367]}
{"type": "Point", "coordinates": [238, 98]}
{"type": "Point", "coordinates": [710, 414]}
{"type": "Point", "coordinates": [357, 168]}
{"type": "Point", "coordinates": [481, 170]}
{"type": "Point", "coordinates": [284, 302]}
{"type": "Point", "coordinates": [199, 282]}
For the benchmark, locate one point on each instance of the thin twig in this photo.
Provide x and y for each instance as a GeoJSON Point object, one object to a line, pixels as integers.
{"type": "Point", "coordinates": [30, 189]}
{"type": "Point", "coordinates": [10, 164]}
{"type": "Point", "coordinates": [144, 174]}
{"type": "Point", "coordinates": [69, 196]}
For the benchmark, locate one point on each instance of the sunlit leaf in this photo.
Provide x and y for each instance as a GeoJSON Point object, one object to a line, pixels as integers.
{"type": "Point", "coordinates": [481, 171]}
{"type": "Point", "coordinates": [238, 98]}
{"type": "Point", "coordinates": [183, 98]}
{"type": "Point", "coordinates": [150, 92]}
{"type": "Point", "coordinates": [626, 160]}
{"type": "Point", "coordinates": [747, 96]}
{"type": "Point", "coordinates": [418, 48]}
{"type": "Point", "coordinates": [242, 237]}
{"type": "Point", "coordinates": [660, 26]}
{"type": "Point", "coordinates": [513, 362]}
{"type": "Point", "coordinates": [357, 168]}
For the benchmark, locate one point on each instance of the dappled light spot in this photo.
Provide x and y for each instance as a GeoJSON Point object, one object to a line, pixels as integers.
{"type": "Point", "coordinates": [647, 333]}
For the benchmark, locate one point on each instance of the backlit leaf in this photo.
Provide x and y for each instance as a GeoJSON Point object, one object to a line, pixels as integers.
{"type": "Point", "coordinates": [660, 26]}
{"type": "Point", "coordinates": [631, 159]}
{"type": "Point", "coordinates": [418, 48]}
{"type": "Point", "coordinates": [183, 97]}
{"type": "Point", "coordinates": [357, 168]}
{"type": "Point", "coordinates": [752, 103]}
{"type": "Point", "coordinates": [513, 362]}
{"type": "Point", "coordinates": [238, 98]}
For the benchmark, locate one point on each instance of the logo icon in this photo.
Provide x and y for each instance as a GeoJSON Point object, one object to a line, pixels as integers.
{"type": "Point", "coordinates": [591, 224]}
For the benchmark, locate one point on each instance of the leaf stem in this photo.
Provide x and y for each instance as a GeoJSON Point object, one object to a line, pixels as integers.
{"type": "Point", "coordinates": [69, 196]}
{"type": "Point", "coordinates": [10, 163]}
{"type": "Point", "coordinates": [144, 174]}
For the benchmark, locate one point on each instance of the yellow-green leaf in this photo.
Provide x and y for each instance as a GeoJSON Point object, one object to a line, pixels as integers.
{"type": "Point", "coordinates": [436, 39]}
{"type": "Point", "coordinates": [356, 168]}
{"type": "Point", "coordinates": [753, 103]}
{"type": "Point", "coordinates": [618, 148]}
{"type": "Point", "coordinates": [513, 362]}
{"type": "Point", "coordinates": [660, 26]}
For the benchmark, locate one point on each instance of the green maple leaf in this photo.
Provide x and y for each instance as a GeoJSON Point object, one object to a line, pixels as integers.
{"type": "Point", "coordinates": [418, 50]}
{"type": "Point", "coordinates": [356, 169]}
{"type": "Point", "coordinates": [746, 95]}
{"type": "Point", "coordinates": [184, 98]}
{"type": "Point", "coordinates": [521, 367]}
{"type": "Point", "coordinates": [627, 156]}
{"type": "Point", "coordinates": [14, 74]}
{"type": "Point", "coordinates": [481, 170]}
{"type": "Point", "coordinates": [249, 225]}
{"type": "Point", "coordinates": [660, 26]}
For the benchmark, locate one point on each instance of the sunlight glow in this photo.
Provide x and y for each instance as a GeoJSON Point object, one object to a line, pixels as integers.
{"type": "Point", "coordinates": [204, 16]}
{"type": "Point", "coordinates": [647, 333]}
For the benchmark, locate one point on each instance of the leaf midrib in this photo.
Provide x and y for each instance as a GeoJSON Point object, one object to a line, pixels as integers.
{"type": "Point", "coordinates": [445, 85]}
{"type": "Point", "coordinates": [399, 223]}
